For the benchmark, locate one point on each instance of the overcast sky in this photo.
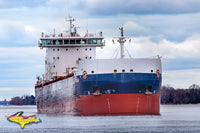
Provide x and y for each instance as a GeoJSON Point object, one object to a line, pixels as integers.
{"type": "Point", "coordinates": [157, 27]}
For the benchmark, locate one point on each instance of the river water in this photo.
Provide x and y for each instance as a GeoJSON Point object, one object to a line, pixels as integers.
{"type": "Point", "coordinates": [173, 119]}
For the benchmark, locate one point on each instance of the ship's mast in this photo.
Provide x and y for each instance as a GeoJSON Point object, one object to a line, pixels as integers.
{"type": "Point", "coordinates": [121, 41]}
{"type": "Point", "coordinates": [71, 26]}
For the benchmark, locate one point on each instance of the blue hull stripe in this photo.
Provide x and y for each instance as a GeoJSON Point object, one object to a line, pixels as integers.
{"type": "Point", "coordinates": [118, 83]}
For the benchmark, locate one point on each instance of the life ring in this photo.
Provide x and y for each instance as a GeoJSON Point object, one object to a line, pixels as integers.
{"type": "Point", "coordinates": [158, 73]}
{"type": "Point", "coordinates": [84, 74]}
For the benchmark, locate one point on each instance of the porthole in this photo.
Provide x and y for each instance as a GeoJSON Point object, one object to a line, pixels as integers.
{"type": "Point", "coordinates": [54, 58]}
{"type": "Point", "coordinates": [77, 49]}
{"type": "Point", "coordinates": [92, 71]}
{"type": "Point", "coordinates": [115, 71]}
{"type": "Point", "coordinates": [90, 57]}
{"type": "Point", "coordinates": [66, 49]}
{"type": "Point", "coordinates": [85, 49]}
{"type": "Point", "coordinates": [53, 49]}
{"type": "Point", "coordinates": [131, 70]}
{"type": "Point", "coordinates": [151, 70]}
{"type": "Point", "coordinates": [123, 70]}
{"type": "Point", "coordinates": [90, 49]}
{"type": "Point", "coordinates": [58, 49]}
{"type": "Point", "coordinates": [58, 58]}
{"type": "Point", "coordinates": [85, 57]}
{"type": "Point", "coordinates": [54, 66]}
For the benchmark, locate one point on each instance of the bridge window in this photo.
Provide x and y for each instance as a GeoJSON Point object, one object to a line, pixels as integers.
{"type": "Point", "coordinates": [94, 41]}
{"type": "Point", "coordinates": [44, 42]}
{"type": "Point", "coordinates": [57, 42]}
{"type": "Point", "coordinates": [72, 41]}
{"type": "Point", "coordinates": [49, 42]}
{"type": "Point", "coordinates": [83, 41]}
{"type": "Point", "coordinates": [98, 41]}
{"type": "Point", "coordinates": [90, 41]}
{"type": "Point", "coordinates": [66, 41]}
{"type": "Point", "coordinates": [78, 41]}
{"type": "Point", "coordinates": [54, 42]}
{"type": "Point", "coordinates": [60, 42]}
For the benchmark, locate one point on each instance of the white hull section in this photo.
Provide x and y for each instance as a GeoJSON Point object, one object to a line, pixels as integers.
{"type": "Point", "coordinates": [102, 66]}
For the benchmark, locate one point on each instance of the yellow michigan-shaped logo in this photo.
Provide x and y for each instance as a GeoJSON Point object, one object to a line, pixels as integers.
{"type": "Point", "coordinates": [23, 120]}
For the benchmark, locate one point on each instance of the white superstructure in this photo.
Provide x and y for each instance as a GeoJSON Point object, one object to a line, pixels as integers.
{"type": "Point", "coordinates": [64, 51]}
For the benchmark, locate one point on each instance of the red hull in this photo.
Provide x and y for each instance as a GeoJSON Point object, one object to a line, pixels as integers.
{"type": "Point", "coordinates": [118, 104]}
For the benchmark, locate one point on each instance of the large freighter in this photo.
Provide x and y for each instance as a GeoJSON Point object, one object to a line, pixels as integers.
{"type": "Point", "coordinates": [77, 83]}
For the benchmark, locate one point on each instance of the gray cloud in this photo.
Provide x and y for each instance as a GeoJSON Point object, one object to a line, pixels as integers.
{"type": "Point", "coordinates": [113, 7]}
{"type": "Point", "coordinates": [175, 28]}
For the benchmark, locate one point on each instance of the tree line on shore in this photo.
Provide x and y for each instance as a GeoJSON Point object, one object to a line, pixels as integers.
{"type": "Point", "coordinates": [169, 95]}
{"type": "Point", "coordinates": [191, 95]}
{"type": "Point", "coordinates": [23, 100]}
